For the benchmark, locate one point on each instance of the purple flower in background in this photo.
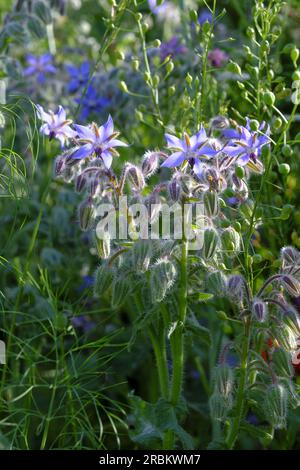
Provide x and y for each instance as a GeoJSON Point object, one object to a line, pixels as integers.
{"type": "Point", "coordinates": [189, 149]}
{"type": "Point", "coordinates": [100, 141]}
{"type": "Point", "coordinates": [91, 102]}
{"type": "Point", "coordinates": [79, 76]}
{"type": "Point", "coordinates": [83, 322]}
{"type": "Point", "coordinates": [157, 9]}
{"type": "Point", "coordinates": [87, 283]}
{"type": "Point", "coordinates": [172, 48]}
{"type": "Point", "coordinates": [39, 66]}
{"type": "Point", "coordinates": [245, 145]}
{"type": "Point", "coordinates": [217, 57]}
{"type": "Point", "coordinates": [204, 16]}
{"type": "Point", "coordinates": [56, 124]}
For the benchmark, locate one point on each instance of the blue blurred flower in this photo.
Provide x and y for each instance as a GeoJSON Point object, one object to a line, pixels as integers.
{"type": "Point", "coordinates": [157, 9]}
{"type": "Point", "coordinates": [91, 103]}
{"type": "Point", "coordinates": [39, 66]}
{"type": "Point", "coordinates": [189, 149]}
{"type": "Point", "coordinates": [79, 76]}
{"type": "Point", "coordinates": [172, 48]}
{"type": "Point", "coordinates": [87, 283]}
{"type": "Point", "coordinates": [204, 16]}
{"type": "Point", "coordinates": [100, 141]}
{"type": "Point", "coordinates": [83, 322]}
{"type": "Point", "coordinates": [56, 124]}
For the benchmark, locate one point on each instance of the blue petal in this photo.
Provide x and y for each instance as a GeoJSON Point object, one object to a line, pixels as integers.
{"type": "Point", "coordinates": [83, 152]}
{"type": "Point", "coordinates": [174, 160]}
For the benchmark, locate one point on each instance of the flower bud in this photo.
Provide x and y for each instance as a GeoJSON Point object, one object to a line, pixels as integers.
{"type": "Point", "coordinates": [136, 177]}
{"type": "Point", "coordinates": [291, 318]}
{"type": "Point", "coordinates": [259, 310]}
{"type": "Point", "coordinates": [211, 203]}
{"type": "Point", "coordinates": [210, 242]}
{"type": "Point", "coordinates": [59, 165]}
{"type": "Point", "coordinates": [285, 337]}
{"type": "Point", "coordinates": [102, 245]}
{"type": "Point", "coordinates": [162, 277]}
{"type": "Point", "coordinates": [219, 122]}
{"type": "Point", "coordinates": [216, 283]}
{"type": "Point", "coordinates": [269, 98]}
{"type": "Point", "coordinates": [169, 67]}
{"type": "Point", "coordinates": [291, 285]}
{"type": "Point", "coordinates": [290, 256]}
{"type": "Point", "coordinates": [284, 169]}
{"type": "Point", "coordinates": [230, 241]}
{"type": "Point", "coordinates": [235, 287]}
{"type": "Point", "coordinates": [150, 163]}
{"type": "Point", "coordinates": [219, 407]}
{"type": "Point", "coordinates": [141, 255]}
{"type": "Point", "coordinates": [80, 183]}
{"type": "Point", "coordinates": [282, 363]}
{"type": "Point", "coordinates": [120, 291]}
{"type": "Point", "coordinates": [174, 189]}
{"type": "Point", "coordinates": [86, 213]}
{"type": "Point", "coordinates": [276, 405]}
{"type": "Point", "coordinates": [287, 150]}
{"type": "Point", "coordinates": [223, 380]}
{"type": "Point", "coordinates": [294, 55]}
{"type": "Point", "coordinates": [103, 279]}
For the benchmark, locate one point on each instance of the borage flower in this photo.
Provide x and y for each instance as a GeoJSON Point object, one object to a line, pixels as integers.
{"type": "Point", "coordinates": [99, 141]}
{"type": "Point", "coordinates": [191, 149]}
{"type": "Point", "coordinates": [245, 145]}
{"type": "Point", "coordinates": [172, 48]}
{"type": "Point", "coordinates": [92, 102]}
{"type": "Point", "coordinates": [39, 66]}
{"type": "Point", "coordinates": [79, 76]}
{"type": "Point", "coordinates": [217, 57]}
{"type": "Point", "coordinates": [56, 124]}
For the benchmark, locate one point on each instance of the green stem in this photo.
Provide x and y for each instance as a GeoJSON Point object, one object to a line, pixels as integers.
{"type": "Point", "coordinates": [159, 347]}
{"type": "Point", "coordinates": [241, 388]}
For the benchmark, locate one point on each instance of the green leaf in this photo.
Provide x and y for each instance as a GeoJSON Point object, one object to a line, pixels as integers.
{"type": "Point", "coordinates": [36, 28]}
{"type": "Point", "coordinates": [203, 296]}
{"type": "Point", "coordinates": [257, 431]}
{"type": "Point", "coordinates": [152, 420]}
{"type": "Point", "coordinates": [43, 12]}
{"type": "Point", "coordinates": [4, 443]}
{"type": "Point", "coordinates": [198, 330]}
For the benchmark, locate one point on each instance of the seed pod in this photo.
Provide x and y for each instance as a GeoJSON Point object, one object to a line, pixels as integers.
{"type": "Point", "coordinates": [141, 255]}
{"type": "Point", "coordinates": [235, 287]}
{"type": "Point", "coordinates": [276, 405]}
{"type": "Point", "coordinates": [230, 241]}
{"type": "Point", "coordinates": [103, 279]}
{"type": "Point", "coordinates": [259, 310]}
{"type": "Point", "coordinates": [162, 277]}
{"type": "Point", "coordinates": [136, 177]}
{"type": "Point", "coordinates": [86, 212]}
{"type": "Point", "coordinates": [219, 406]}
{"type": "Point", "coordinates": [291, 285]}
{"type": "Point", "coordinates": [223, 380]}
{"type": "Point", "coordinates": [150, 163]}
{"type": "Point", "coordinates": [80, 183]}
{"type": "Point", "coordinates": [174, 189]}
{"type": "Point", "coordinates": [282, 362]}
{"type": "Point", "coordinates": [211, 203]}
{"type": "Point", "coordinates": [210, 243]}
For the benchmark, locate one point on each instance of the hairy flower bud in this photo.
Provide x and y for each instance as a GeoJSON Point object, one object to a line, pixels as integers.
{"type": "Point", "coordinates": [103, 279]}
{"type": "Point", "coordinates": [235, 287]}
{"type": "Point", "coordinates": [291, 285]}
{"type": "Point", "coordinates": [289, 256]}
{"type": "Point", "coordinates": [282, 363]}
{"type": "Point", "coordinates": [59, 165]}
{"type": "Point", "coordinates": [219, 406]}
{"type": "Point", "coordinates": [210, 242]}
{"type": "Point", "coordinates": [285, 337]}
{"type": "Point", "coordinates": [259, 310]}
{"type": "Point", "coordinates": [174, 189]}
{"type": "Point", "coordinates": [141, 255]}
{"type": "Point", "coordinates": [162, 277]}
{"type": "Point", "coordinates": [102, 245]}
{"type": "Point", "coordinates": [276, 405]}
{"type": "Point", "coordinates": [150, 163]}
{"type": "Point", "coordinates": [219, 122]}
{"type": "Point", "coordinates": [211, 203]}
{"type": "Point", "coordinates": [230, 241]}
{"type": "Point", "coordinates": [136, 177]}
{"type": "Point", "coordinates": [80, 183]}
{"type": "Point", "coordinates": [94, 186]}
{"type": "Point", "coordinates": [223, 380]}
{"type": "Point", "coordinates": [86, 213]}
{"type": "Point", "coordinates": [120, 291]}
{"type": "Point", "coordinates": [216, 283]}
